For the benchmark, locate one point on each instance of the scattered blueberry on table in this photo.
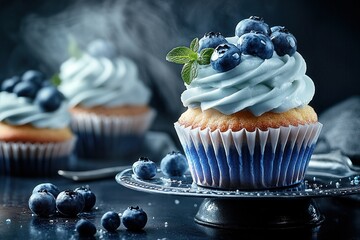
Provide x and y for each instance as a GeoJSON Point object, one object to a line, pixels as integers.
{"type": "Point", "coordinates": [70, 203]}
{"type": "Point", "coordinates": [110, 221]}
{"type": "Point", "coordinates": [174, 164]}
{"type": "Point", "coordinates": [88, 195]}
{"type": "Point", "coordinates": [42, 203]}
{"type": "Point", "coordinates": [134, 218]}
{"type": "Point", "coordinates": [51, 188]}
{"type": "Point", "coordinates": [85, 228]}
{"type": "Point", "coordinates": [144, 168]}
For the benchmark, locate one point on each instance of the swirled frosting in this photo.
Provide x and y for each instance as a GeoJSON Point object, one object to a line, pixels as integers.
{"type": "Point", "coordinates": [277, 84]}
{"type": "Point", "coordinates": [99, 81]}
{"type": "Point", "coordinates": [16, 110]}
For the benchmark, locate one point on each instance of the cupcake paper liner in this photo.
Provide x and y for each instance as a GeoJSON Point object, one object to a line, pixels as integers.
{"type": "Point", "coordinates": [241, 159]}
{"type": "Point", "coordinates": [109, 137]}
{"type": "Point", "coordinates": [34, 159]}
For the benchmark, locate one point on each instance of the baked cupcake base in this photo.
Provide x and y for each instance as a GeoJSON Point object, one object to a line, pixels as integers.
{"type": "Point", "coordinates": [105, 134]}
{"type": "Point", "coordinates": [35, 159]}
{"type": "Point", "coordinates": [277, 157]}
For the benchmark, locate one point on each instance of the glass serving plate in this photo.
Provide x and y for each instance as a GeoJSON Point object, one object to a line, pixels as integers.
{"type": "Point", "coordinates": [328, 175]}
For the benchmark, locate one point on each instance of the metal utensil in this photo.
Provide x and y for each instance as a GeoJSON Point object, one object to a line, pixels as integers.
{"type": "Point", "coordinates": [92, 174]}
{"type": "Point", "coordinates": [332, 164]}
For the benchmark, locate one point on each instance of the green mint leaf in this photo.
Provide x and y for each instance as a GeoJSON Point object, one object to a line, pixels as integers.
{"type": "Point", "coordinates": [205, 56]}
{"type": "Point", "coordinates": [73, 48]}
{"type": "Point", "coordinates": [55, 79]}
{"type": "Point", "coordinates": [189, 71]}
{"type": "Point", "coordinates": [181, 55]}
{"type": "Point", "coordinates": [194, 45]}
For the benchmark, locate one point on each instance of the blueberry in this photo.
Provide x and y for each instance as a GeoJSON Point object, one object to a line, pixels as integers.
{"type": "Point", "coordinates": [225, 57]}
{"type": "Point", "coordinates": [85, 228]}
{"type": "Point", "coordinates": [284, 42]}
{"type": "Point", "coordinates": [42, 203]}
{"type": "Point", "coordinates": [49, 187]}
{"type": "Point", "coordinates": [134, 218]}
{"type": "Point", "coordinates": [88, 195]}
{"type": "Point", "coordinates": [276, 28]}
{"type": "Point", "coordinates": [256, 44]}
{"type": "Point", "coordinates": [49, 98]}
{"type": "Point", "coordinates": [9, 84]}
{"type": "Point", "coordinates": [253, 23]}
{"type": "Point", "coordinates": [70, 203]}
{"type": "Point", "coordinates": [26, 89]}
{"type": "Point", "coordinates": [211, 40]}
{"type": "Point", "coordinates": [174, 164]}
{"type": "Point", "coordinates": [101, 48]}
{"type": "Point", "coordinates": [33, 76]}
{"type": "Point", "coordinates": [110, 221]}
{"type": "Point", "coordinates": [144, 168]}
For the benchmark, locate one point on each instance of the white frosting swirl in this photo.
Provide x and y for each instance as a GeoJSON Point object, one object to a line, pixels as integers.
{"type": "Point", "coordinates": [277, 84]}
{"type": "Point", "coordinates": [90, 82]}
{"type": "Point", "coordinates": [16, 110]}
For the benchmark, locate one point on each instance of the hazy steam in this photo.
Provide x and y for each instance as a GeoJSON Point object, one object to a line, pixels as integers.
{"type": "Point", "coordinates": [141, 30]}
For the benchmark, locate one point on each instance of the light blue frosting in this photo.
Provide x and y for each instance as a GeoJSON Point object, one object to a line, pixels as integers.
{"type": "Point", "coordinates": [99, 81]}
{"type": "Point", "coordinates": [16, 110]}
{"type": "Point", "coordinates": [277, 84]}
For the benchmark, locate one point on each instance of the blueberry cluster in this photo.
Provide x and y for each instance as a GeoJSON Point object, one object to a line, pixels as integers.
{"type": "Point", "coordinates": [46, 199]}
{"type": "Point", "coordinates": [173, 164]}
{"type": "Point", "coordinates": [255, 38]}
{"type": "Point", "coordinates": [34, 86]}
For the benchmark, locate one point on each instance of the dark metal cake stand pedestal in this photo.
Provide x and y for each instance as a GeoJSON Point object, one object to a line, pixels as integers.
{"type": "Point", "coordinates": [284, 208]}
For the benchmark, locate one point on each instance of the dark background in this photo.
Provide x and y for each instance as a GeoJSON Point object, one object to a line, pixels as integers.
{"type": "Point", "coordinates": [35, 35]}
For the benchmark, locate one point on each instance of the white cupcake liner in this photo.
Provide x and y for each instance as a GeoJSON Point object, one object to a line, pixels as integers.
{"type": "Point", "coordinates": [34, 159]}
{"type": "Point", "coordinates": [101, 136]}
{"type": "Point", "coordinates": [277, 157]}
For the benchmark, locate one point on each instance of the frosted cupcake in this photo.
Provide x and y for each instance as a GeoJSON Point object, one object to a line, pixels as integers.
{"type": "Point", "coordinates": [35, 138]}
{"type": "Point", "coordinates": [109, 102]}
{"type": "Point", "coordinates": [248, 124]}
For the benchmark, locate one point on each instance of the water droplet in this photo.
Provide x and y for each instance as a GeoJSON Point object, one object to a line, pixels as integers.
{"type": "Point", "coordinates": [51, 221]}
{"type": "Point", "coordinates": [166, 224]}
{"type": "Point", "coordinates": [337, 184]}
{"type": "Point", "coordinates": [177, 201]}
{"type": "Point", "coordinates": [149, 204]}
{"type": "Point", "coordinates": [8, 221]}
{"type": "Point", "coordinates": [195, 205]}
{"type": "Point", "coordinates": [153, 217]}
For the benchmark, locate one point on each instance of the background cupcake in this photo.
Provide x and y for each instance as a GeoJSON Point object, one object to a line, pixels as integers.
{"type": "Point", "coordinates": [248, 123]}
{"type": "Point", "coordinates": [109, 103]}
{"type": "Point", "coordinates": [35, 138]}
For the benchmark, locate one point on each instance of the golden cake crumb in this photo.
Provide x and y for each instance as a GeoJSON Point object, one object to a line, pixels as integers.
{"type": "Point", "coordinates": [214, 119]}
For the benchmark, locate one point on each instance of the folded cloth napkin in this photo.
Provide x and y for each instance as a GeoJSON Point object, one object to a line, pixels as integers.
{"type": "Point", "coordinates": [341, 130]}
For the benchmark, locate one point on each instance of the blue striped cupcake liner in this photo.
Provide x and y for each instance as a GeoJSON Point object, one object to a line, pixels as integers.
{"type": "Point", "coordinates": [255, 160]}
{"type": "Point", "coordinates": [109, 137]}
{"type": "Point", "coordinates": [35, 159]}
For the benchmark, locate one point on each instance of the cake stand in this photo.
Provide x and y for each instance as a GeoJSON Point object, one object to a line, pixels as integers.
{"type": "Point", "coordinates": [292, 207]}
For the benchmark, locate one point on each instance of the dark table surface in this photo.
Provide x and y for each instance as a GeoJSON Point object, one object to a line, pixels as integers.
{"type": "Point", "coordinates": [169, 216]}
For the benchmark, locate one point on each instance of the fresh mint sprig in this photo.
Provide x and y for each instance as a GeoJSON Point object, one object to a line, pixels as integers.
{"type": "Point", "coordinates": [73, 48]}
{"type": "Point", "coordinates": [191, 59]}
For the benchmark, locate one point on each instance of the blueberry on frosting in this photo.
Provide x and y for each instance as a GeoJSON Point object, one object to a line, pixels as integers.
{"type": "Point", "coordinates": [33, 86]}
{"type": "Point", "coordinates": [253, 23]}
{"type": "Point", "coordinates": [256, 44]}
{"type": "Point", "coordinates": [225, 57]}
{"type": "Point", "coordinates": [211, 40]}
{"type": "Point", "coordinates": [284, 42]}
